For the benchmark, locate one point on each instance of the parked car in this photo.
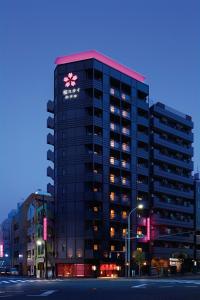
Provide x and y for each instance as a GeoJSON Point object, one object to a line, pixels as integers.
{"type": "Point", "coordinates": [2, 271]}
{"type": "Point", "coordinates": [12, 271]}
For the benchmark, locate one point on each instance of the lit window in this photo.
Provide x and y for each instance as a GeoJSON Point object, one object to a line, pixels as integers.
{"type": "Point", "coordinates": [112, 196]}
{"type": "Point", "coordinates": [123, 248]}
{"type": "Point", "coordinates": [112, 108]}
{"type": "Point", "coordinates": [112, 247]}
{"type": "Point", "coordinates": [112, 231]}
{"type": "Point", "coordinates": [112, 126]}
{"type": "Point", "coordinates": [95, 209]}
{"type": "Point", "coordinates": [95, 247]}
{"type": "Point", "coordinates": [95, 171]}
{"type": "Point", "coordinates": [112, 91]}
{"type": "Point", "coordinates": [112, 143]}
{"type": "Point", "coordinates": [112, 213]}
{"type": "Point", "coordinates": [124, 180]}
{"type": "Point", "coordinates": [124, 214]}
{"type": "Point", "coordinates": [139, 249]}
{"type": "Point", "coordinates": [123, 96]}
{"type": "Point", "coordinates": [124, 163]}
{"type": "Point", "coordinates": [112, 160]}
{"type": "Point", "coordinates": [95, 228]}
{"type": "Point", "coordinates": [112, 178]}
{"type": "Point", "coordinates": [95, 189]}
{"type": "Point", "coordinates": [124, 230]}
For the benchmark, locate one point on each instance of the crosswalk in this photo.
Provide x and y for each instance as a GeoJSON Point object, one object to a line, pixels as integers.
{"type": "Point", "coordinates": [164, 283]}
{"type": "Point", "coordinates": [18, 281]}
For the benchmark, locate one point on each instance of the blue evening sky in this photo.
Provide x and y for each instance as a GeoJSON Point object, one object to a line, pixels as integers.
{"type": "Point", "coordinates": [160, 39]}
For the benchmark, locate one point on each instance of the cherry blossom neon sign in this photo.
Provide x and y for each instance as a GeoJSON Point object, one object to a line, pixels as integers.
{"type": "Point", "coordinates": [70, 92]}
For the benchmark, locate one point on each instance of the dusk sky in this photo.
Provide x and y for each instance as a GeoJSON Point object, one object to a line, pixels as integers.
{"type": "Point", "coordinates": [159, 39]}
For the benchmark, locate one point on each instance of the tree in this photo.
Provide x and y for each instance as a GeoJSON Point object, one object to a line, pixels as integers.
{"type": "Point", "coordinates": [139, 258]}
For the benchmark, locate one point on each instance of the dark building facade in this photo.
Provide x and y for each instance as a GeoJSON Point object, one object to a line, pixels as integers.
{"type": "Point", "coordinates": [107, 157]}
{"type": "Point", "coordinates": [172, 193]}
{"type": "Point", "coordinates": [100, 157]}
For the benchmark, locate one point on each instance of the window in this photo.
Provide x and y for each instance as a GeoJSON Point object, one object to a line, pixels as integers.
{"type": "Point", "coordinates": [112, 231]}
{"type": "Point", "coordinates": [112, 178]}
{"type": "Point", "coordinates": [124, 214]}
{"type": "Point", "coordinates": [95, 228]}
{"type": "Point", "coordinates": [112, 196]}
{"type": "Point", "coordinates": [112, 247]}
{"type": "Point", "coordinates": [112, 160]}
{"type": "Point", "coordinates": [95, 209]}
{"type": "Point", "coordinates": [124, 230]}
{"type": "Point", "coordinates": [95, 247]}
{"type": "Point", "coordinates": [112, 213]}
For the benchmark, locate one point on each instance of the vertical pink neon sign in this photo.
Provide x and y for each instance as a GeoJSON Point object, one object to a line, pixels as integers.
{"type": "Point", "coordinates": [148, 229]}
{"type": "Point", "coordinates": [45, 229]}
{"type": "Point", "coordinates": [1, 250]}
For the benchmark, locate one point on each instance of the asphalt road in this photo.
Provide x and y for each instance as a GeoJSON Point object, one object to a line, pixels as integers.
{"type": "Point", "coordinates": [100, 289]}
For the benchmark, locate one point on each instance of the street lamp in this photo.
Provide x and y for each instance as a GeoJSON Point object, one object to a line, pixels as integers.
{"type": "Point", "coordinates": [128, 251]}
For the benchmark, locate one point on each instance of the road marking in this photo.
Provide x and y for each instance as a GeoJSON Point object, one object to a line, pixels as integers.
{"type": "Point", "coordinates": [166, 286]}
{"type": "Point", "coordinates": [45, 294]}
{"type": "Point", "coordinates": [139, 286]}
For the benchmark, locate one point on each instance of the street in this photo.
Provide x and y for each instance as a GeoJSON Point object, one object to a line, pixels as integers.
{"type": "Point", "coordinates": [119, 289]}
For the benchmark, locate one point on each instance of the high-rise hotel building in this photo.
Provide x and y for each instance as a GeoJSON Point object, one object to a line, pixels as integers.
{"type": "Point", "coordinates": [111, 152]}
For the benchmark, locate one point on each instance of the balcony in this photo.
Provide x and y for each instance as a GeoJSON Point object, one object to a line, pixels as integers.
{"type": "Point", "coordinates": [125, 97]}
{"type": "Point", "coordinates": [164, 127]}
{"type": "Point", "coordinates": [184, 238]}
{"type": "Point", "coordinates": [93, 177]}
{"type": "Point", "coordinates": [144, 187]}
{"type": "Point", "coordinates": [171, 160]}
{"type": "Point", "coordinates": [125, 182]}
{"type": "Point", "coordinates": [50, 172]}
{"type": "Point", "coordinates": [93, 196]}
{"type": "Point", "coordinates": [114, 127]}
{"type": "Point", "coordinates": [158, 220]}
{"type": "Point", "coordinates": [143, 121]}
{"type": "Point", "coordinates": [126, 131]}
{"type": "Point", "coordinates": [167, 174]}
{"type": "Point", "coordinates": [50, 106]}
{"type": "Point", "coordinates": [143, 104]}
{"type": "Point", "coordinates": [143, 137]}
{"type": "Point", "coordinates": [50, 123]}
{"type": "Point", "coordinates": [170, 252]}
{"type": "Point", "coordinates": [172, 206]}
{"type": "Point", "coordinates": [143, 170]}
{"type": "Point", "coordinates": [125, 165]}
{"type": "Point", "coordinates": [174, 146]}
{"type": "Point", "coordinates": [114, 144]}
{"type": "Point", "coordinates": [126, 114]}
{"type": "Point", "coordinates": [115, 92]}
{"type": "Point", "coordinates": [126, 147]}
{"type": "Point", "coordinates": [126, 201]}
{"type": "Point", "coordinates": [114, 180]}
{"type": "Point", "coordinates": [173, 191]}
{"type": "Point", "coordinates": [90, 215]}
{"type": "Point", "coordinates": [115, 199]}
{"type": "Point", "coordinates": [50, 189]}
{"type": "Point", "coordinates": [173, 114]}
{"type": "Point", "coordinates": [115, 110]}
{"type": "Point", "coordinates": [114, 162]}
{"type": "Point", "coordinates": [141, 152]}
{"type": "Point", "coordinates": [50, 155]}
{"type": "Point", "coordinates": [50, 139]}
{"type": "Point", "coordinates": [93, 235]}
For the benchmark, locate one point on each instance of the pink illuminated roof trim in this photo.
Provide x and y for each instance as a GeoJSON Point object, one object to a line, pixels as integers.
{"type": "Point", "coordinates": [102, 58]}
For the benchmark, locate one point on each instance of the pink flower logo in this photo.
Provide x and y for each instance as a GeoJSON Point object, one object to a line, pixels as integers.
{"type": "Point", "coordinates": [70, 79]}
